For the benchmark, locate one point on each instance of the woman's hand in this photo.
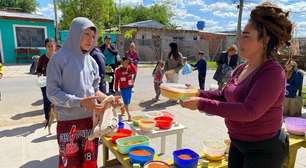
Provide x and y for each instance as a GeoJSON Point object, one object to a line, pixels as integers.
{"type": "Point", "coordinates": [190, 103]}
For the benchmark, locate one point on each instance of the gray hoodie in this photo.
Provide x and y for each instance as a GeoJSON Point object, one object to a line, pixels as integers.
{"type": "Point", "coordinates": [72, 75]}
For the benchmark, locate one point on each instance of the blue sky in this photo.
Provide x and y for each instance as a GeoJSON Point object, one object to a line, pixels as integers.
{"type": "Point", "coordinates": [219, 15]}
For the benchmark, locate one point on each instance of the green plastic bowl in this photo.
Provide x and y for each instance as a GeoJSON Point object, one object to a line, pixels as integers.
{"type": "Point", "coordinates": [124, 144]}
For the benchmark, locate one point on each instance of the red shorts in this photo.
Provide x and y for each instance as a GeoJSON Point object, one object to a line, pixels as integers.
{"type": "Point", "coordinates": [87, 151]}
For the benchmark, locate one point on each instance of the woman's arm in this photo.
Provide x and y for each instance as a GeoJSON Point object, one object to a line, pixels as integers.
{"type": "Point", "coordinates": [265, 91]}
{"type": "Point", "coordinates": [213, 95]}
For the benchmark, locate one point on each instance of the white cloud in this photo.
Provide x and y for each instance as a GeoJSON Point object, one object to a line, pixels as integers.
{"type": "Point", "coordinates": [225, 14]}
{"type": "Point", "coordinates": [130, 2]}
{"type": "Point", "coordinates": [48, 11]}
{"type": "Point", "coordinates": [219, 6]}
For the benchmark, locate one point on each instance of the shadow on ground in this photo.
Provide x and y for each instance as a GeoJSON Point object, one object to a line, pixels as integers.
{"type": "Point", "coordinates": [27, 114]}
{"type": "Point", "coordinates": [37, 103]}
{"type": "Point", "coordinates": [150, 105]}
{"type": "Point", "coordinates": [47, 163]}
{"type": "Point", "coordinates": [21, 131]}
{"type": "Point", "coordinates": [44, 138]}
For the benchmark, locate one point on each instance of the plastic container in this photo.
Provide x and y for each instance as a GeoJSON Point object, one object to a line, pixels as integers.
{"type": "Point", "coordinates": [175, 91]}
{"type": "Point", "coordinates": [141, 155]}
{"type": "Point", "coordinates": [121, 133]}
{"type": "Point", "coordinates": [159, 114]}
{"type": "Point", "coordinates": [136, 119]}
{"type": "Point", "coordinates": [147, 124]}
{"type": "Point", "coordinates": [156, 164]}
{"type": "Point", "coordinates": [124, 144]}
{"type": "Point", "coordinates": [164, 122]}
{"type": "Point", "coordinates": [214, 149]}
{"type": "Point", "coordinates": [295, 125]}
{"type": "Point", "coordinates": [120, 123]}
{"type": "Point", "coordinates": [185, 163]}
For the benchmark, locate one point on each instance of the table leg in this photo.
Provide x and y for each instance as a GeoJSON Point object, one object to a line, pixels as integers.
{"type": "Point", "coordinates": [105, 155]}
{"type": "Point", "coordinates": [292, 156]}
{"type": "Point", "coordinates": [179, 140]}
{"type": "Point", "coordinates": [163, 145]}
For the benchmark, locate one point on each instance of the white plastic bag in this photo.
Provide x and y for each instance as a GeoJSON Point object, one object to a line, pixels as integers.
{"type": "Point", "coordinates": [187, 69]}
{"type": "Point", "coordinates": [42, 81]}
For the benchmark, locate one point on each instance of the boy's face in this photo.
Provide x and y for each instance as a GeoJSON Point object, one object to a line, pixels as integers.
{"type": "Point", "coordinates": [125, 63]}
{"type": "Point", "coordinates": [87, 39]}
{"type": "Point", "coordinates": [51, 47]}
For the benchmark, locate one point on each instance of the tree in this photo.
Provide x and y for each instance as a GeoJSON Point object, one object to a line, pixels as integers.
{"type": "Point", "coordinates": [156, 12]}
{"type": "Point", "coordinates": [28, 6]}
{"type": "Point", "coordinates": [101, 12]}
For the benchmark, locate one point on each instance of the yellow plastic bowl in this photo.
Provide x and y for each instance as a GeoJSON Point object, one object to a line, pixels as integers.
{"type": "Point", "coordinates": [176, 91]}
{"type": "Point", "coordinates": [147, 124]}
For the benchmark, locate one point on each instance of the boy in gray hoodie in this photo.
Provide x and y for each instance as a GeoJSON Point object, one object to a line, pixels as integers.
{"type": "Point", "coordinates": [73, 87]}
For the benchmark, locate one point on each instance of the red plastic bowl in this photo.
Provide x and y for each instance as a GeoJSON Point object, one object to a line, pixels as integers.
{"type": "Point", "coordinates": [164, 122]}
{"type": "Point", "coordinates": [121, 133]}
{"type": "Point", "coordinates": [295, 125]}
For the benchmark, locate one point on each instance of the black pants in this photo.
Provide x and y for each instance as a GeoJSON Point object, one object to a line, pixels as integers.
{"type": "Point", "coordinates": [201, 78]}
{"type": "Point", "coordinates": [271, 153]}
{"type": "Point", "coordinates": [157, 89]}
{"type": "Point", "coordinates": [47, 103]}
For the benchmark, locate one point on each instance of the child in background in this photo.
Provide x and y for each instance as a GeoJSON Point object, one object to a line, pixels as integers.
{"type": "Point", "coordinates": [124, 81]}
{"type": "Point", "coordinates": [158, 74]}
{"type": "Point", "coordinates": [201, 66]}
{"type": "Point", "coordinates": [1, 75]}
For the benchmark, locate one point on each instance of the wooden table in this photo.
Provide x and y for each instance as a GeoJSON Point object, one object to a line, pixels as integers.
{"type": "Point", "coordinates": [176, 128]}
{"type": "Point", "coordinates": [120, 158]}
{"type": "Point", "coordinates": [295, 143]}
{"type": "Point", "coordinates": [211, 164]}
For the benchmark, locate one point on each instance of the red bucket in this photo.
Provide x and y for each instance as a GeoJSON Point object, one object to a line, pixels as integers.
{"type": "Point", "coordinates": [164, 122]}
{"type": "Point", "coordinates": [121, 133]}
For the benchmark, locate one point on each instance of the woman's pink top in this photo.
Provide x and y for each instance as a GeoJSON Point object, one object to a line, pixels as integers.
{"type": "Point", "coordinates": [252, 108]}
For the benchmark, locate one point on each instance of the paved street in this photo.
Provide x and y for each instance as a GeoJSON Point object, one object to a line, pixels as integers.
{"type": "Point", "coordinates": [24, 143]}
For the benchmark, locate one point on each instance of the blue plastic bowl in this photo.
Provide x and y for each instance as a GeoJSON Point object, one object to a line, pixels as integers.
{"type": "Point", "coordinates": [180, 163]}
{"type": "Point", "coordinates": [141, 159]}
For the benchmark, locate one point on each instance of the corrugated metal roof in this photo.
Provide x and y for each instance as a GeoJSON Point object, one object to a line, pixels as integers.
{"type": "Point", "coordinates": [23, 15]}
{"type": "Point", "coordinates": [146, 24]}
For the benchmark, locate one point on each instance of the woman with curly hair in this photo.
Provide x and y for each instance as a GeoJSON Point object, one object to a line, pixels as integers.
{"type": "Point", "coordinates": [251, 101]}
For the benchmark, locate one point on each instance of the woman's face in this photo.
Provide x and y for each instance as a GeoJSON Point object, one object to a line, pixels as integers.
{"type": "Point", "coordinates": [250, 45]}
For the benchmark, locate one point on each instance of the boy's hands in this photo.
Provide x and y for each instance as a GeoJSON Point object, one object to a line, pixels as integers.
{"type": "Point", "coordinates": [90, 103]}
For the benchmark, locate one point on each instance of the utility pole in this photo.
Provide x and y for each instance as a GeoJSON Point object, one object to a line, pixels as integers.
{"type": "Point", "coordinates": [240, 7]}
{"type": "Point", "coordinates": [55, 20]}
{"type": "Point", "coordinates": [119, 12]}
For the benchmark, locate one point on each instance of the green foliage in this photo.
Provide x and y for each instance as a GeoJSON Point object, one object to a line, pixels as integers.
{"type": "Point", "coordinates": [130, 34]}
{"type": "Point", "coordinates": [101, 12]}
{"type": "Point", "coordinates": [157, 12]}
{"type": "Point", "coordinates": [104, 13]}
{"type": "Point", "coordinates": [28, 6]}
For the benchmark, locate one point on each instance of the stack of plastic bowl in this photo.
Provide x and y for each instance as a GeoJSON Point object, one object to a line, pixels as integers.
{"type": "Point", "coordinates": [147, 124]}
{"type": "Point", "coordinates": [124, 144]}
{"type": "Point", "coordinates": [214, 149]}
{"type": "Point", "coordinates": [185, 158]}
{"type": "Point", "coordinates": [164, 122]}
{"type": "Point", "coordinates": [121, 133]}
{"type": "Point", "coordinates": [295, 125]}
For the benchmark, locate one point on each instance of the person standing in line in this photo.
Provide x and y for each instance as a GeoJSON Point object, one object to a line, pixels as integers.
{"type": "Point", "coordinates": [42, 70]}
{"type": "Point", "coordinates": [201, 67]}
{"type": "Point", "coordinates": [110, 53]}
{"type": "Point", "coordinates": [73, 87]}
{"type": "Point", "coordinates": [173, 64]}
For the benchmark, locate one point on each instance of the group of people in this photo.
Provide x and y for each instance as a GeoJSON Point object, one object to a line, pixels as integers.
{"type": "Point", "coordinates": [250, 95]}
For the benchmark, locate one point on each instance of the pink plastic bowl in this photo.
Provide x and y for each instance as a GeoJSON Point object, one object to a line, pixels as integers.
{"type": "Point", "coordinates": [295, 125]}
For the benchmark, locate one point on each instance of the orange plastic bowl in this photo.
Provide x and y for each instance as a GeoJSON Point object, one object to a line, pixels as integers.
{"type": "Point", "coordinates": [121, 133]}
{"type": "Point", "coordinates": [164, 122]}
